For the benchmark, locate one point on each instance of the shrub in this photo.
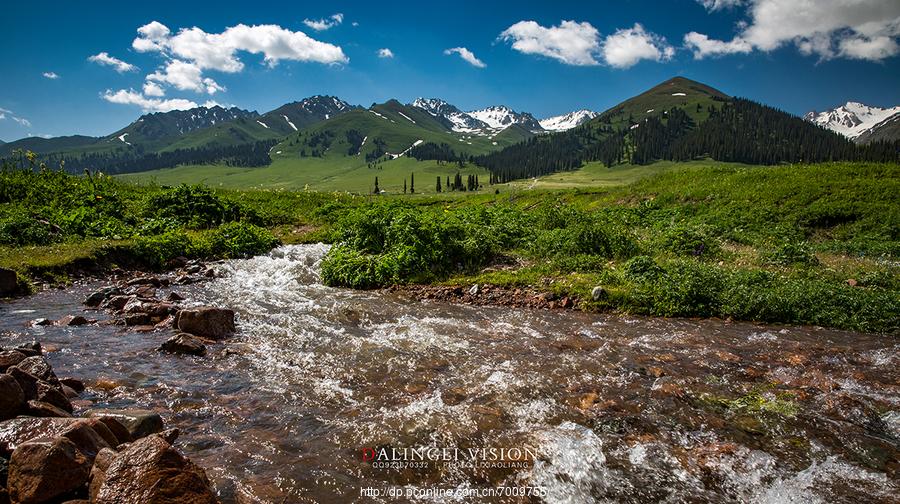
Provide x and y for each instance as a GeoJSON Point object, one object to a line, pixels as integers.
{"type": "Point", "coordinates": [687, 288]}
{"type": "Point", "coordinates": [689, 241]}
{"type": "Point", "coordinates": [193, 206]}
{"type": "Point", "coordinates": [157, 250]}
{"type": "Point", "coordinates": [19, 229]}
{"type": "Point", "coordinates": [586, 237]}
{"type": "Point", "coordinates": [642, 268]}
{"type": "Point", "coordinates": [240, 239]}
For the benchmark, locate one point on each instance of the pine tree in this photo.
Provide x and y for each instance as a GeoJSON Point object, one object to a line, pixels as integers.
{"type": "Point", "coordinates": [438, 186]}
{"type": "Point", "coordinates": [377, 191]}
{"type": "Point", "coordinates": [412, 183]}
{"type": "Point", "coordinates": [404, 186]}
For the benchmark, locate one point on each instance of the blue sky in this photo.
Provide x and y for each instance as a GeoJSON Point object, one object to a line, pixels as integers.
{"type": "Point", "coordinates": [520, 54]}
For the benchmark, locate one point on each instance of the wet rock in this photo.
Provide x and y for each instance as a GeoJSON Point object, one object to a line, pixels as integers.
{"type": "Point", "coordinates": [11, 397]}
{"type": "Point", "coordinates": [98, 297]}
{"type": "Point", "coordinates": [137, 319]}
{"type": "Point", "coordinates": [474, 290]}
{"type": "Point", "coordinates": [174, 296]}
{"type": "Point", "coordinates": [39, 367]}
{"type": "Point", "coordinates": [588, 400]}
{"type": "Point", "coordinates": [170, 435]}
{"type": "Point", "coordinates": [598, 293]}
{"type": "Point", "coordinates": [185, 344]}
{"type": "Point", "coordinates": [41, 322]}
{"type": "Point", "coordinates": [86, 438]}
{"type": "Point", "coordinates": [76, 384]}
{"type": "Point", "coordinates": [52, 394]}
{"type": "Point", "coordinates": [19, 430]}
{"type": "Point", "coordinates": [41, 470]}
{"type": "Point", "coordinates": [453, 396]}
{"type": "Point", "coordinates": [102, 462]}
{"type": "Point", "coordinates": [9, 358]}
{"type": "Point", "coordinates": [144, 291]}
{"type": "Point", "coordinates": [73, 320]}
{"type": "Point", "coordinates": [43, 409]}
{"type": "Point", "coordinates": [150, 470]}
{"type": "Point", "coordinates": [117, 303]}
{"type": "Point", "coordinates": [116, 428]}
{"type": "Point", "coordinates": [140, 423]}
{"type": "Point", "coordinates": [177, 262]}
{"type": "Point", "coordinates": [27, 382]}
{"type": "Point", "coordinates": [215, 323]}
{"type": "Point", "coordinates": [9, 284]}
{"type": "Point", "coordinates": [147, 280]}
{"type": "Point", "coordinates": [68, 391]}
{"type": "Point", "coordinates": [30, 349]}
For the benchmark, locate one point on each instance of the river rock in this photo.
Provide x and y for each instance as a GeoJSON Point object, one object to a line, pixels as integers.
{"type": "Point", "coordinates": [116, 303]}
{"type": "Point", "coordinates": [9, 358]}
{"type": "Point", "coordinates": [86, 438]}
{"type": "Point", "coordinates": [598, 293]}
{"type": "Point", "coordinates": [22, 429]}
{"type": "Point", "coordinates": [140, 423]}
{"type": "Point", "coordinates": [30, 349]}
{"type": "Point", "coordinates": [11, 397]}
{"type": "Point", "coordinates": [98, 471]}
{"type": "Point", "coordinates": [98, 297]}
{"type": "Point", "coordinates": [76, 384]}
{"type": "Point", "coordinates": [53, 395]}
{"type": "Point", "coordinates": [148, 280]}
{"type": "Point", "coordinates": [72, 320]}
{"type": "Point", "coordinates": [27, 382]}
{"type": "Point", "coordinates": [151, 471]}
{"type": "Point", "coordinates": [215, 323]}
{"type": "Point", "coordinates": [9, 284]}
{"type": "Point", "coordinates": [117, 429]}
{"type": "Point", "coordinates": [44, 469]}
{"type": "Point", "coordinates": [39, 367]}
{"type": "Point", "coordinates": [174, 296]}
{"type": "Point", "coordinates": [184, 343]}
{"type": "Point", "coordinates": [43, 409]}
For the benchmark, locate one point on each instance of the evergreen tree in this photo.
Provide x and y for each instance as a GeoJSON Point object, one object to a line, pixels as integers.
{"type": "Point", "coordinates": [412, 183]}
{"type": "Point", "coordinates": [377, 191]}
{"type": "Point", "coordinates": [437, 187]}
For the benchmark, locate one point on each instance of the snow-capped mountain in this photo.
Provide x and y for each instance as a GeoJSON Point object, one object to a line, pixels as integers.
{"type": "Point", "coordinates": [297, 115]}
{"type": "Point", "coordinates": [456, 119]}
{"type": "Point", "coordinates": [500, 116]}
{"type": "Point", "coordinates": [567, 121]}
{"type": "Point", "coordinates": [851, 119]}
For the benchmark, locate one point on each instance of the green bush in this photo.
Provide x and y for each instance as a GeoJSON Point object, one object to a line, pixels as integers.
{"type": "Point", "coordinates": [642, 269]}
{"type": "Point", "coordinates": [687, 240]}
{"type": "Point", "coordinates": [19, 229]}
{"type": "Point", "coordinates": [588, 236]}
{"type": "Point", "coordinates": [159, 249]}
{"type": "Point", "coordinates": [195, 206]}
{"type": "Point", "coordinates": [240, 239]}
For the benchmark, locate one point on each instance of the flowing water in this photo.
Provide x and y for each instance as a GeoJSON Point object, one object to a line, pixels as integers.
{"type": "Point", "coordinates": [612, 408]}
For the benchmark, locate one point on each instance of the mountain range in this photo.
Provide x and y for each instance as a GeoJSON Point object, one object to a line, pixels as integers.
{"type": "Point", "coordinates": [859, 122]}
{"type": "Point", "coordinates": [675, 119]}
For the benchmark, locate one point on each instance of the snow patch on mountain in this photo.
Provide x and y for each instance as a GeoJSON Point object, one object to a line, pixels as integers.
{"type": "Point", "coordinates": [460, 121]}
{"type": "Point", "coordinates": [851, 119]}
{"type": "Point", "coordinates": [290, 123]}
{"type": "Point", "coordinates": [567, 121]}
{"type": "Point", "coordinates": [501, 116]}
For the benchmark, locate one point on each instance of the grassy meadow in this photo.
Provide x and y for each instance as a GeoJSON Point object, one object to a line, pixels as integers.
{"type": "Point", "coordinates": [803, 244]}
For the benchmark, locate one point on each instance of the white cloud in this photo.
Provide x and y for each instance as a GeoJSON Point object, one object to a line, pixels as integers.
{"type": "Point", "coordinates": [218, 51]}
{"type": "Point", "coordinates": [185, 76]}
{"type": "Point", "coordinates": [51, 75]}
{"type": "Point", "coordinates": [324, 24]}
{"type": "Point", "coordinates": [467, 55]}
{"type": "Point", "coordinates": [571, 43]}
{"type": "Point", "coordinates": [4, 113]}
{"type": "Point", "coordinates": [132, 97]}
{"type": "Point", "coordinates": [153, 89]}
{"type": "Point", "coordinates": [105, 59]}
{"type": "Point", "coordinates": [626, 47]}
{"type": "Point", "coordinates": [714, 5]}
{"type": "Point", "coordinates": [385, 53]}
{"type": "Point", "coordinates": [856, 29]}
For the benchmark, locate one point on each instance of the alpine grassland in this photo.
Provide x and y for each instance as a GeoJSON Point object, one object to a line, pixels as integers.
{"type": "Point", "coordinates": [797, 244]}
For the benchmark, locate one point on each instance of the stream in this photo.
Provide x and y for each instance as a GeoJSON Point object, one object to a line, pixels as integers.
{"type": "Point", "coordinates": [590, 407]}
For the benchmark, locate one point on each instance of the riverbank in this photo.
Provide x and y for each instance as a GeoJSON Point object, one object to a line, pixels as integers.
{"type": "Point", "coordinates": [805, 244]}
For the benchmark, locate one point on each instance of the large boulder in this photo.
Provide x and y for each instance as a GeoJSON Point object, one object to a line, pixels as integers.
{"type": "Point", "coordinates": [44, 469]}
{"type": "Point", "coordinates": [42, 409]}
{"type": "Point", "coordinates": [98, 471]}
{"type": "Point", "coordinates": [150, 471]}
{"type": "Point", "coordinates": [39, 367]}
{"type": "Point", "coordinates": [95, 298]}
{"type": "Point", "coordinates": [53, 395]}
{"type": "Point", "coordinates": [19, 430]}
{"type": "Point", "coordinates": [88, 440]}
{"type": "Point", "coordinates": [11, 397]}
{"type": "Point", "coordinates": [215, 323]}
{"type": "Point", "coordinates": [27, 382]}
{"type": "Point", "coordinates": [9, 284]}
{"type": "Point", "coordinates": [9, 358]}
{"type": "Point", "coordinates": [139, 423]}
{"type": "Point", "coordinates": [184, 343]}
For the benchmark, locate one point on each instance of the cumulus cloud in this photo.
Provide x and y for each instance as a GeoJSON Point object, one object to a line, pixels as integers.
{"type": "Point", "coordinates": [324, 24]}
{"type": "Point", "coordinates": [855, 29]}
{"type": "Point", "coordinates": [185, 76]}
{"type": "Point", "coordinates": [105, 59]}
{"type": "Point", "coordinates": [132, 97]}
{"type": "Point", "coordinates": [218, 51]}
{"type": "Point", "coordinates": [153, 89]}
{"type": "Point", "coordinates": [571, 43]}
{"type": "Point", "coordinates": [580, 44]}
{"type": "Point", "coordinates": [385, 53]}
{"type": "Point", "coordinates": [51, 75]}
{"type": "Point", "coordinates": [626, 47]}
{"type": "Point", "coordinates": [467, 55]}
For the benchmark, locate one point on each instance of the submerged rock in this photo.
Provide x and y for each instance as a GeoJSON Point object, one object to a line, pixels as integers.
{"type": "Point", "coordinates": [45, 469]}
{"type": "Point", "coordinates": [215, 323]}
{"type": "Point", "coordinates": [139, 423]}
{"type": "Point", "coordinates": [184, 343]}
{"type": "Point", "coordinates": [150, 470]}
